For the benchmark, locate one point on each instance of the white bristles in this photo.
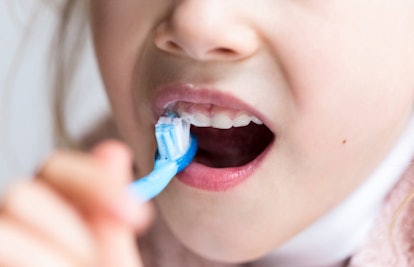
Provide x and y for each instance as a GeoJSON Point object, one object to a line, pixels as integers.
{"type": "Point", "coordinates": [173, 137]}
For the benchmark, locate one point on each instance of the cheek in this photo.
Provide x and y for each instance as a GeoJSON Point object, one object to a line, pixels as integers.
{"type": "Point", "coordinates": [347, 76]}
{"type": "Point", "coordinates": [345, 101]}
{"type": "Point", "coordinates": [120, 31]}
{"type": "Point", "coordinates": [348, 47]}
{"type": "Point", "coordinates": [343, 75]}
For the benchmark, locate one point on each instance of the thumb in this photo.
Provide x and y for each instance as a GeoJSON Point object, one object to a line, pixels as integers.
{"type": "Point", "coordinates": [117, 241]}
{"type": "Point", "coordinates": [116, 158]}
{"type": "Point", "coordinates": [117, 245]}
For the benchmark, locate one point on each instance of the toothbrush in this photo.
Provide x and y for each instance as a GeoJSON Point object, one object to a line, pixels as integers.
{"type": "Point", "coordinates": [176, 149]}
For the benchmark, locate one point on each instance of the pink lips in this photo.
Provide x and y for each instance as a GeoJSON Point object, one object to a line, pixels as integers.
{"type": "Point", "coordinates": [215, 179]}
{"type": "Point", "coordinates": [198, 175]}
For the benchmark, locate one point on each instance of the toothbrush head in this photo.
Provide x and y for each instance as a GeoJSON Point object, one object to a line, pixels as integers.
{"type": "Point", "coordinates": [175, 143]}
{"type": "Point", "coordinates": [176, 149]}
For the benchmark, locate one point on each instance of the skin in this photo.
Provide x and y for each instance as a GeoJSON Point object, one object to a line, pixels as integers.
{"type": "Point", "coordinates": [90, 220]}
{"type": "Point", "coordinates": [324, 74]}
{"type": "Point", "coordinates": [332, 79]}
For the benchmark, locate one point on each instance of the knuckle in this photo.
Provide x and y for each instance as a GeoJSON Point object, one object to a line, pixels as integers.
{"type": "Point", "coordinates": [55, 158]}
{"type": "Point", "coordinates": [13, 196]}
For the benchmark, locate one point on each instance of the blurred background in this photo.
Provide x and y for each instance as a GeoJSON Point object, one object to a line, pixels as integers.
{"type": "Point", "coordinates": [26, 29]}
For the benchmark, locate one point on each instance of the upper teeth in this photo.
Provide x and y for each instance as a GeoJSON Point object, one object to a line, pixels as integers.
{"type": "Point", "coordinates": [207, 115]}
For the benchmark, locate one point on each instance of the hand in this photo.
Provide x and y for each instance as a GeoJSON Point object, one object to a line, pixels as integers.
{"type": "Point", "coordinates": [77, 212]}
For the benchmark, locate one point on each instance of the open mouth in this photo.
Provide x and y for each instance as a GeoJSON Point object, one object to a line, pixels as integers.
{"type": "Point", "coordinates": [223, 148]}
{"type": "Point", "coordinates": [226, 137]}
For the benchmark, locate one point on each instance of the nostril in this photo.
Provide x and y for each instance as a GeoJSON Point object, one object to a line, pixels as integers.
{"type": "Point", "coordinates": [165, 41]}
{"type": "Point", "coordinates": [223, 52]}
{"type": "Point", "coordinates": [173, 46]}
{"type": "Point", "coordinates": [201, 44]}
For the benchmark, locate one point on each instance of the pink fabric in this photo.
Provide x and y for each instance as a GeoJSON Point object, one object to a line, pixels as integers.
{"type": "Point", "coordinates": [386, 246]}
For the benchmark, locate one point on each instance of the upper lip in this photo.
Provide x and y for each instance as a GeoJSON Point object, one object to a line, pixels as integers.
{"type": "Point", "coordinates": [188, 92]}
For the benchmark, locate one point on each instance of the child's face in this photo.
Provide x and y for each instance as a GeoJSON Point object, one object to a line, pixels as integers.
{"type": "Point", "coordinates": [333, 81]}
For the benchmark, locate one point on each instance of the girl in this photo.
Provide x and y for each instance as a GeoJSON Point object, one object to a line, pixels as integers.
{"type": "Point", "coordinates": [314, 178]}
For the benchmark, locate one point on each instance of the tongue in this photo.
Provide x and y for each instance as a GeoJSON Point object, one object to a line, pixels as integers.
{"type": "Point", "coordinates": [234, 147]}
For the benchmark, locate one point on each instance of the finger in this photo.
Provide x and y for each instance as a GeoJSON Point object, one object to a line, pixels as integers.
{"type": "Point", "coordinates": [116, 158]}
{"type": "Point", "coordinates": [117, 244]}
{"type": "Point", "coordinates": [19, 249]}
{"type": "Point", "coordinates": [82, 179]}
{"type": "Point", "coordinates": [48, 216]}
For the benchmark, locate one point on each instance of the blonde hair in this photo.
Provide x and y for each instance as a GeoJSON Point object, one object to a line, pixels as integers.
{"type": "Point", "coordinates": [69, 41]}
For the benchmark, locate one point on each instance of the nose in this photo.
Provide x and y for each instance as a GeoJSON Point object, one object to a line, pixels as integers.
{"type": "Point", "coordinates": [206, 31]}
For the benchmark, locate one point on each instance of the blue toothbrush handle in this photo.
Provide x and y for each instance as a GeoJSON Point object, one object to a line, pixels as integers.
{"type": "Point", "coordinates": [152, 184]}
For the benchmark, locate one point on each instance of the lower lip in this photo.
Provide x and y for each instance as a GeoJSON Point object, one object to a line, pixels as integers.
{"type": "Point", "coordinates": [219, 179]}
